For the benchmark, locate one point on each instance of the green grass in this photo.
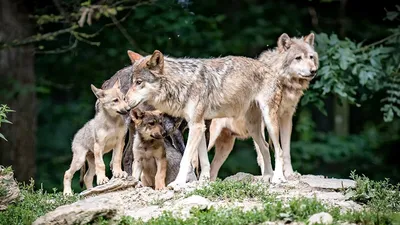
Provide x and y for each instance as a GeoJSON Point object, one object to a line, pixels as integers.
{"type": "Point", "coordinates": [35, 203]}
{"type": "Point", "coordinates": [232, 190]}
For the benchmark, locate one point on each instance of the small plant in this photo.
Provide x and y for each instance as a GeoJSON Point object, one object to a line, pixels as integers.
{"type": "Point", "coordinates": [35, 203]}
{"type": "Point", "coordinates": [238, 190]}
{"type": "Point", "coordinates": [4, 109]}
{"type": "Point", "coordinates": [379, 196]}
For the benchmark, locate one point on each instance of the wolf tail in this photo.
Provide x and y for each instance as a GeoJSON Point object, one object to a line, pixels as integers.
{"type": "Point", "coordinates": [82, 174]}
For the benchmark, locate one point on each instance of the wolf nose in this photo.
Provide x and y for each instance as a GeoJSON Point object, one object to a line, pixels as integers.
{"type": "Point", "coordinates": [164, 133]}
{"type": "Point", "coordinates": [313, 72]}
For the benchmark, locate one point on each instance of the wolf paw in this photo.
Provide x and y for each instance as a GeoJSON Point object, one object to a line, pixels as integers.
{"type": "Point", "coordinates": [292, 175]}
{"type": "Point", "coordinates": [176, 185]}
{"type": "Point", "coordinates": [102, 180]}
{"type": "Point", "coordinates": [139, 184]}
{"type": "Point", "coordinates": [278, 179]}
{"type": "Point", "coordinates": [204, 177]}
{"type": "Point", "coordinates": [120, 174]}
{"type": "Point", "coordinates": [265, 178]}
{"type": "Point", "coordinates": [67, 192]}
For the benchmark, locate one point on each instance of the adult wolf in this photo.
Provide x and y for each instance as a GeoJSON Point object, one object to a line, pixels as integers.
{"type": "Point", "coordinates": [199, 89]}
{"type": "Point", "coordinates": [296, 63]}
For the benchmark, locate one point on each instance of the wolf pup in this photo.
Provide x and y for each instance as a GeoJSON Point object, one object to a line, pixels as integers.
{"type": "Point", "coordinates": [105, 132]}
{"type": "Point", "coordinates": [152, 152]}
{"type": "Point", "coordinates": [204, 89]}
{"type": "Point", "coordinates": [295, 61]}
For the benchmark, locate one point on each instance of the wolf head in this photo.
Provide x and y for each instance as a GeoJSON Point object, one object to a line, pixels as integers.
{"type": "Point", "coordinates": [111, 99]}
{"type": "Point", "coordinates": [148, 123]}
{"type": "Point", "coordinates": [147, 72]}
{"type": "Point", "coordinates": [301, 59]}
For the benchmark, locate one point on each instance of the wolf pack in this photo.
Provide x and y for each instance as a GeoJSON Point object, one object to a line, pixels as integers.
{"type": "Point", "coordinates": [143, 110]}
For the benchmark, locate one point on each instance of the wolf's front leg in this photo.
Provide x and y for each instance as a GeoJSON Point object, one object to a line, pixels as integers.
{"type": "Point", "coordinates": [285, 123]}
{"type": "Point", "coordinates": [161, 173]}
{"type": "Point", "coordinates": [203, 157]}
{"type": "Point", "coordinates": [100, 167]}
{"type": "Point", "coordinates": [270, 115]}
{"type": "Point", "coordinates": [196, 131]}
{"type": "Point", "coordinates": [117, 160]}
{"type": "Point", "coordinates": [137, 169]}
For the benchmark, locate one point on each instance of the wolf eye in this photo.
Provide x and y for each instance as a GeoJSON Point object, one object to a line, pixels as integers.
{"type": "Point", "coordinates": [311, 57]}
{"type": "Point", "coordinates": [151, 123]}
{"type": "Point", "coordinates": [115, 100]}
{"type": "Point", "coordinates": [138, 82]}
{"type": "Point", "coordinates": [298, 58]}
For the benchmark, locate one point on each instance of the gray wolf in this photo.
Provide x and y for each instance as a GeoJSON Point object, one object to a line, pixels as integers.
{"type": "Point", "coordinates": [170, 124]}
{"type": "Point", "coordinates": [156, 162]}
{"type": "Point", "coordinates": [105, 132]}
{"type": "Point", "coordinates": [296, 63]}
{"type": "Point", "coordinates": [204, 89]}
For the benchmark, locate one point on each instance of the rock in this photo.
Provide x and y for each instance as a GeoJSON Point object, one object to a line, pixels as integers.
{"type": "Point", "coordinates": [327, 183]}
{"type": "Point", "coordinates": [185, 205]}
{"type": "Point", "coordinates": [114, 184]}
{"type": "Point", "coordinates": [9, 191]}
{"type": "Point", "coordinates": [145, 213]}
{"type": "Point", "coordinates": [246, 177]}
{"type": "Point", "coordinates": [320, 218]}
{"type": "Point", "coordinates": [85, 211]}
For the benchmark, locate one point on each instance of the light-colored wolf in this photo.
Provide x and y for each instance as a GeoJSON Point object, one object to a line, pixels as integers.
{"type": "Point", "coordinates": [105, 132]}
{"type": "Point", "coordinates": [199, 89]}
{"type": "Point", "coordinates": [296, 63]}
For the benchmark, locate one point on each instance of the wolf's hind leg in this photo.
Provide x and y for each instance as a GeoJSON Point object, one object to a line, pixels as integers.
{"type": "Point", "coordinates": [78, 159]}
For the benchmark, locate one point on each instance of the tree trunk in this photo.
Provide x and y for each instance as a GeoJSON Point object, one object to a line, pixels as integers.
{"type": "Point", "coordinates": [17, 85]}
{"type": "Point", "coordinates": [341, 111]}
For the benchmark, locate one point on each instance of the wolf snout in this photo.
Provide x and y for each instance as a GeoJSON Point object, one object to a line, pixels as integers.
{"type": "Point", "coordinates": [123, 111]}
{"type": "Point", "coordinates": [156, 136]}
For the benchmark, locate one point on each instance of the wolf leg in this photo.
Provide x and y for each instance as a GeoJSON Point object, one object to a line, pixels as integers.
{"type": "Point", "coordinates": [78, 159]}
{"type": "Point", "coordinates": [101, 177]}
{"type": "Point", "coordinates": [161, 173]}
{"type": "Point", "coordinates": [223, 147]}
{"type": "Point", "coordinates": [117, 159]}
{"type": "Point", "coordinates": [88, 178]}
{"type": "Point", "coordinates": [196, 131]}
{"type": "Point", "coordinates": [285, 123]}
{"type": "Point", "coordinates": [270, 115]}
{"type": "Point", "coordinates": [203, 157]}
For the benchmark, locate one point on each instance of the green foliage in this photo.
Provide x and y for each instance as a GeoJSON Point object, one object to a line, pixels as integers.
{"type": "Point", "coordinates": [34, 204]}
{"type": "Point", "coordinates": [238, 190]}
{"type": "Point", "coordinates": [380, 196]}
{"type": "Point", "coordinates": [4, 109]}
{"type": "Point", "coordinates": [356, 72]}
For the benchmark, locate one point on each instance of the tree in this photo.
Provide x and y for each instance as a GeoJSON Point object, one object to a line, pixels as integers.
{"type": "Point", "coordinates": [18, 80]}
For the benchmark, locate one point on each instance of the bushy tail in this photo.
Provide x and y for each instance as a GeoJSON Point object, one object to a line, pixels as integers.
{"type": "Point", "coordinates": [82, 174]}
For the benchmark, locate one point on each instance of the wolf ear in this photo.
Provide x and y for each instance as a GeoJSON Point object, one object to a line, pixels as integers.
{"type": "Point", "coordinates": [156, 61]}
{"type": "Point", "coordinates": [136, 114]}
{"type": "Point", "coordinates": [98, 92]}
{"type": "Point", "coordinates": [310, 39]}
{"type": "Point", "coordinates": [117, 84]}
{"type": "Point", "coordinates": [134, 56]}
{"type": "Point", "coordinates": [284, 42]}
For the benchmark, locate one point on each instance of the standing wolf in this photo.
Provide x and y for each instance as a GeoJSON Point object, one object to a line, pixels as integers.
{"type": "Point", "coordinates": [199, 89]}
{"type": "Point", "coordinates": [295, 62]}
{"type": "Point", "coordinates": [105, 132]}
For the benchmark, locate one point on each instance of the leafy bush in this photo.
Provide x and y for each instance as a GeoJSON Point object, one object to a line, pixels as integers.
{"type": "Point", "coordinates": [4, 109]}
